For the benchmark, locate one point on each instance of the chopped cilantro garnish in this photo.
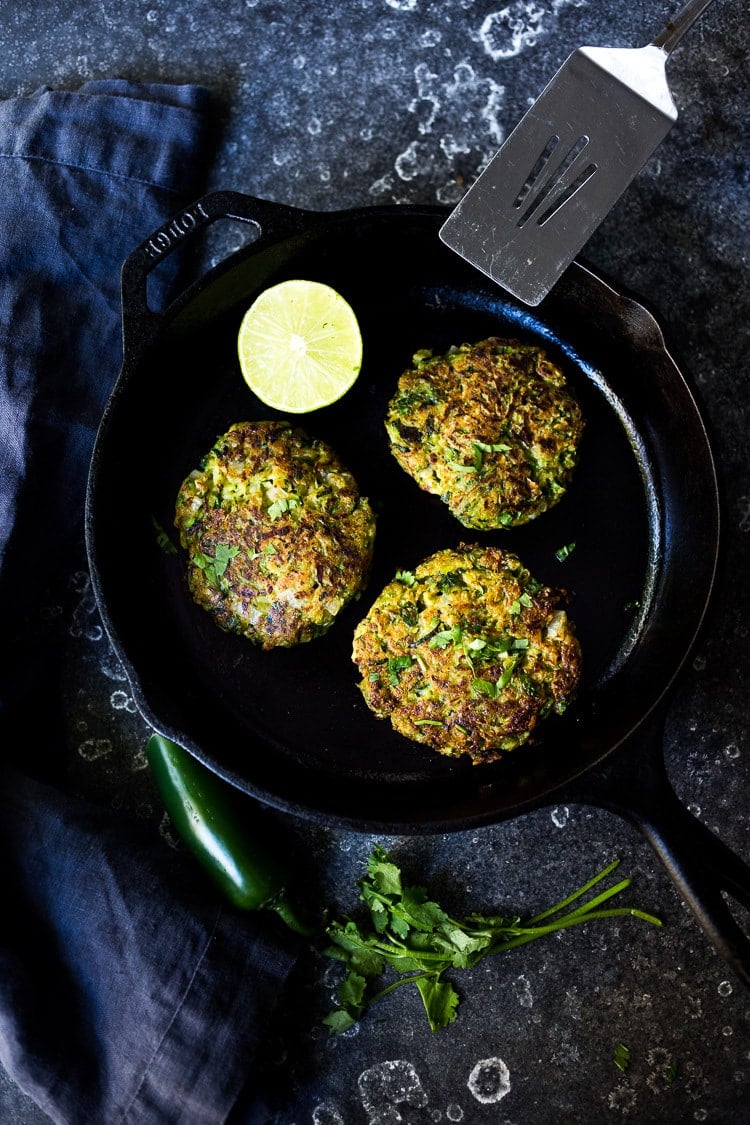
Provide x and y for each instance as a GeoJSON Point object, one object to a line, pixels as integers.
{"type": "Point", "coordinates": [405, 576]}
{"type": "Point", "coordinates": [214, 568]}
{"type": "Point", "coordinates": [163, 540]}
{"type": "Point", "coordinates": [622, 1057]}
{"type": "Point", "coordinates": [525, 600]}
{"type": "Point", "coordinates": [510, 668]}
{"type": "Point", "coordinates": [285, 504]}
{"type": "Point", "coordinates": [562, 553]}
{"type": "Point", "coordinates": [446, 636]}
{"type": "Point", "coordinates": [396, 665]}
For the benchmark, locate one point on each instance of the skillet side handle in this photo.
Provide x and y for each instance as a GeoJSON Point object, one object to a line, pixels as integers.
{"type": "Point", "coordinates": [139, 321]}
{"type": "Point", "coordinates": [701, 866]}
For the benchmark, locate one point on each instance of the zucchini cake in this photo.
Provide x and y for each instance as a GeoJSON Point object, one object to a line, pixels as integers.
{"type": "Point", "coordinates": [279, 539]}
{"type": "Point", "coordinates": [467, 653]}
{"type": "Point", "coordinates": [491, 428]}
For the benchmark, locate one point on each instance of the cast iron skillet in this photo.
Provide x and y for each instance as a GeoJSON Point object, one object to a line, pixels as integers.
{"type": "Point", "coordinates": [290, 727]}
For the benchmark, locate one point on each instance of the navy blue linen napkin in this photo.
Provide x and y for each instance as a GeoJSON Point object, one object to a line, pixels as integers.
{"type": "Point", "coordinates": [127, 992]}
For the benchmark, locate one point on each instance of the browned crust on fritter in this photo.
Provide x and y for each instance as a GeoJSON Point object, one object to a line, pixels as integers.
{"type": "Point", "coordinates": [288, 518]}
{"type": "Point", "coordinates": [492, 428]}
{"type": "Point", "coordinates": [468, 653]}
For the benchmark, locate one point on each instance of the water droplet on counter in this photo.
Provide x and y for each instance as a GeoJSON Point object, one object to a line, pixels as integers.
{"type": "Point", "coordinates": [725, 988]}
{"type": "Point", "coordinates": [94, 748]}
{"type": "Point", "coordinates": [560, 815]}
{"type": "Point", "coordinates": [732, 751]}
{"type": "Point", "coordinates": [489, 1081]}
{"type": "Point", "coordinates": [727, 1032]}
{"type": "Point", "coordinates": [523, 992]}
{"type": "Point", "coordinates": [119, 700]}
{"type": "Point", "coordinates": [454, 1112]}
{"type": "Point", "coordinates": [387, 1085]}
{"type": "Point", "coordinates": [699, 664]}
{"type": "Point", "coordinates": [326, 1114]}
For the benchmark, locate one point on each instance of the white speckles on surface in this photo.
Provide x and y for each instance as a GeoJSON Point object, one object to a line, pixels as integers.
{"type": "Point", "coordinates": [402, 5]}
{"type": "Point", "coordinates": [518, 26]}
{"type": "Point", "coordinates": [327, 1114]}
{"type": "Point", "coordinates": [81, 624]}
{"type": "Point", "coordinates": [623, 1098]}
{"type": "Point", "coordinates": [121, 701]}
{"type": "Point", "coordinates": [408, 163]}
{"type": "Point", "coordinates": [489, 1080]}
{"type": "Point", "coordinates": [426, 84]}
{"type": "Point", "coordinates": [522, 987]}
{"type": "Point", "coordinates": [560, 816]}
{"type": "Point", "coordinates": [513, 29]}
{"type": "Point", "coordinates": [473, 104]}
{"type": "Point", "coordinates": [93, 748]}
{"type": "Point", "coordinates": [388, 1085]}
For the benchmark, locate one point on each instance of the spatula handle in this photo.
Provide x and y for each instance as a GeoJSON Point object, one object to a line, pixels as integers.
{"type": "Point", "coordinates": [679, 24]}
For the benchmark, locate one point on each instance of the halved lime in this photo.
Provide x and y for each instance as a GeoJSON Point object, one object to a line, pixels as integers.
{"type": "Point", "coordinates": [300, 347]}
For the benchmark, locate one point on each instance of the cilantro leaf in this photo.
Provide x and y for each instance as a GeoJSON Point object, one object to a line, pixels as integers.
{"type": "Point", "coordinates": [406, 577]}
{"type": "Point", "coordinates": [396, 665]}
{"type": "Point", "coordinates": [562, 553]}
{"type": "Point", "coordinates": [440, 1001]}
{"type": "Point", "coordinates": [339, 1021]}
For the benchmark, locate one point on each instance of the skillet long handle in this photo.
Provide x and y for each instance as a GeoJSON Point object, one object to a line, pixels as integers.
{"type": "Point", "coordinates": [636, 786]}
{"type": "Point", "coordinates": [272, 220]}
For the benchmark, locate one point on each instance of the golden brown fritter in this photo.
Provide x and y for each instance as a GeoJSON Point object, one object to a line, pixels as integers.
{"type": "Point", "coordinates": [467, 653]}
{"type": "Point", "coordinates": [491, 428]}
{"type": "Point", "coordinates": [278, 537]}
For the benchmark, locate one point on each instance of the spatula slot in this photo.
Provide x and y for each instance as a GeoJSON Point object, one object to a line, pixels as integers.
{"type": "Point", "coordinates": [554, 179]}
{"type": "Point", "coordinates": [536, 171]}
{"type": "Point", "coordinates": [570, 191]}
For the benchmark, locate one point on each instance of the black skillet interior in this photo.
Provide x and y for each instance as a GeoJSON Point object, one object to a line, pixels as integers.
{"type": "Point", "coordinates": [290, 726]}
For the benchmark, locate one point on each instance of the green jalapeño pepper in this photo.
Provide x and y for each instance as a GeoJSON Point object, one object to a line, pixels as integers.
{"type": "Point", "coordinates": [206, 815]}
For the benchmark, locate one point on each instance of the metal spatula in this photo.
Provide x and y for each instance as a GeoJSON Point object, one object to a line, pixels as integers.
{"type": "Point", "coordinates": [567, 162]}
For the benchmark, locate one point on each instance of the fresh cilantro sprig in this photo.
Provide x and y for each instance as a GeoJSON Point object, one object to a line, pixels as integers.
{"type": "Point", "coordinates": [417, 941]}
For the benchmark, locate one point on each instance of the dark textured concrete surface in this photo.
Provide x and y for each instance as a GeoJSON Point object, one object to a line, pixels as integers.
{"type": "Point", "coordinates": [328, 105]}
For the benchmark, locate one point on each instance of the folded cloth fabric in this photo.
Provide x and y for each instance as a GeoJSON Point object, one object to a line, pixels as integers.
{"type": "Point", "coordinates": [127, 992]}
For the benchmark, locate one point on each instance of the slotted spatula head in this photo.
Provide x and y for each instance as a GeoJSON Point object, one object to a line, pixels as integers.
{"type": "Point", "coordinates": [563, 168]}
